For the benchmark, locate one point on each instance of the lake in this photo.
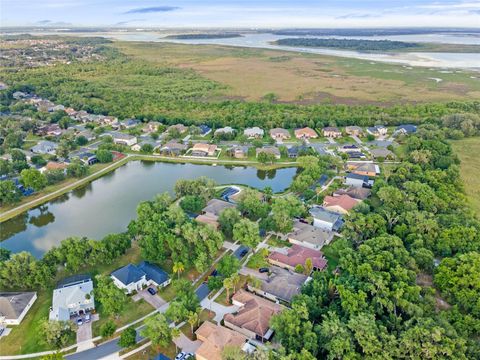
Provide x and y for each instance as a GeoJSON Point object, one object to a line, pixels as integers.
{"type": "Point", "coordinates": [107, 204]}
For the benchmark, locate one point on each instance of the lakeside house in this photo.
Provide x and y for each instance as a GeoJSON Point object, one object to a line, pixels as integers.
{"type": "Point", "coordinates": [341, 204]}
{"type": "Point", "coordinates": [130, 278]}
{"type": "Point", "coordinates": [173, 148]}
{"type": "Point", "coordinates": [296, 150]}
{"type": "Point", "coordinates": [73, 296]}
{"type": "Point", "coordinates": [269, 150]}
{"type": "Point", "coordinates": [279, 134]}
{"type": "Point", "coordinates": [212, 211]}
{"type": "Point", "coordinates": [324, 219]}
{"type": "Point", "coordinates": [297, 255]}
{"type": "Point", "coordinates": [52, 165]}
{"type": "Point", "coordinates": [238, 152]}
{"type": "Point", "coordinates": [204, 150]}
{"type": "Point", "coordinates": [279, 285]}
{"type": "Point", "coordinates": [215, 339]}
{"type": "Point", "coordinates": [14, 306]}
{"type": "Point", "coordinates": [305, 133]}
{"type": "Point", "coordinates": [253, 133]}
{"type": "Point", "coordinates": [253, 317]}
{"type": "Point", "coordinates": [354, 130]}
{"type": "Point", "coordinates": [45, 148]}
{"type": "Point", "coordinates": [309, 236]}
{"type": "Point", "coordinates": [331, 132]}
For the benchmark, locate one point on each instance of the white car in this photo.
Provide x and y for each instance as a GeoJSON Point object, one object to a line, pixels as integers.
{"type": "Point", "coordinates": [181, 356]}
{"type": "Point", "coordinates": [87, 318]}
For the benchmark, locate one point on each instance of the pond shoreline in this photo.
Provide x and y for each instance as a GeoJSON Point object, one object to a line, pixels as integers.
{"type": "Point", "coordinates": [8, 213]}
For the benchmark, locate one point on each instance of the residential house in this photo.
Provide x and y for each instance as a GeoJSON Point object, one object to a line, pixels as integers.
{"type": "Point", "coordinates": [212, 211]}
{"type": "Point", "coordinates": [49, 130]}
{"type": "Point", "coordinates": [348, 148]}
{"type": "Point", "coordinates": [354, 130]}
{"type": "Point", "coordinates": [151, 127]}
{"type": "Point", "coordinates": [88, 134]}
{"type": "Point", "coordinates": [227, 130]}
{"type": "Point", "coordinates": [144, 141]}
{"type": "Point", "coordinates": [269, 150]}
{"type": "Point", "coordinates": [405, 129]}
{"type": "Point", "coordinates": [85, 156]}
{"type": "Point", "coordinates": [179, 127]}
{"type": "Point", "coordinates": [205, 130]}
{"type": "Point", "coordinates": [14, 306]}
{"type": "Point", "coordinates": [122, 138]}
{"type": "Point", "coordinates": [238, 152]}
{"type": "Point", "coordinates": [279, 285]}
{"type": "Point", "coordinates": [17, 95]}
{"type": "Point", "coordinates": [71, 111]}
{"type": "Point", "coordinates": [73, 296]}
{"type": "Point", "coordinates": [52, 165]}
{"type": "Point", "coordinates": [136, 277]}
{"type": "Point", "coordinates": [295, 151]}
{"type": "Point", "coordinates": [201, 149]}
{"type": "Point", "coordinates": [298, 255]}
{"type": "Point", "coordinates": [377, 130]}
{"type": "Point", "coordinates": [129, 123]}
{"type": "Point", "coordinates": [305, 133]}
{"type": "Point", "coordinates": [173, 148]}
{"type": "Point", "coordinates": [358, 193]}
{"type": "Point", "coordinates": [356, 155]}
{"type": "Point", "coordinates": [109, 121]}
{"type": "Point", "coordinates": [45, 147]}
{"type": "Point", "coordinates": [309, 236]}
{"type": "Point", "coordinates": [363, 168]}
{"type": "Point", "coordinates": [58, 108]}
{"type": "Point", "coordinates": [382, 153]}
{"type": "Point", "coordinates": [253, 316]}
{"type": "Point", "coordinates": [254, 133]}
{"type": "Point", "coordinates": [326, 220]}
{"type": "Point", "coordinates": [215, 339]}
{"type": "Point", "coordinates": [341, 204]}
{"type": "Point", "coordinates": [331, 132]}
{"type": "Point", "coordinates": [358, 180]}
{"type": "Point", "coordinates": [279, 134]}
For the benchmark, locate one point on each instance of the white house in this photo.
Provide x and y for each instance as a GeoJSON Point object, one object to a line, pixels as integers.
{"type": "Point", "coordinates": [326, 220]}
{"type": "Point", "coordinates": [136, 277]}
{"type": "Point", "coordinates": [45, 147]}
{"type": "Point", "coordinates": [14, 306]}
{"type": "Point", "coordinates": [73, 296]}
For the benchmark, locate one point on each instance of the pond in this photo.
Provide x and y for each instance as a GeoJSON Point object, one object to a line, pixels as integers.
{"type": "Point", "coordinates": [107, 204]}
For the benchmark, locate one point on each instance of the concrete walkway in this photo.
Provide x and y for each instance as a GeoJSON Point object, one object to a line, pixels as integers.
{"type": "Point", "coordinates": [187, 345]}
{"type": "Point", "coordinates": [219, 309]}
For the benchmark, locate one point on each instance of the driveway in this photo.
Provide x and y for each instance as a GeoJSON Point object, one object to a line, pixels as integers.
{"type": "Point", "coordinates": [247, 271]}
{"type": "Point", "coordinates": [187, 345]}
{"type": "Point", "coordinates": [154, 300]}
{"type": "Point", "coordinates": [219, 309]}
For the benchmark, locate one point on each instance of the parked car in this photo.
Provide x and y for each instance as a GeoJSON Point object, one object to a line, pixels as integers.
{"type": "Point", "coordinates": [243, 253]}
{"type": "Point", "coordinates": [214, 272]}
{"type": "Point", "coordinates": [79, 321]}
{"type": "Point", "coordinates": [189, 356]}
{"type": "Point", "coordinates": [87, 318]}
{"type": "Point", "coordinates": [152, 291]}
{"type": "Point", "coordinates": [263, 270]}
{"type": "Point", "coordinates": [181, 356]}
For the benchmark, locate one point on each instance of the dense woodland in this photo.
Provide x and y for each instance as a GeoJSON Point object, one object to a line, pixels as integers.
{"type": "Point", "coordinates": [350, 44]}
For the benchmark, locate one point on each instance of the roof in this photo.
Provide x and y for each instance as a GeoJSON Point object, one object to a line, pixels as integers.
{"type": "Point", "coordinates": [13, 304]}
{"type": "Point", "coordinates": [381, 153]}
{"type": "Point", "coordinates": [216, 206]}
{"type": "Point", "coordinates": [298, 255]}
{"type": "Point", "coordinates": [322, 214]}
{"type": "Point", "coordinates": [174, 145]}
{"type": "Point", "coordinates": [279, 131]}
{"type": "Point", "coordinates": [353, 128]}
{"type": "Point", "coordinates": [51, 165]}
{"type": "Point", "coordinates": [255, 314]}
{"type": "Point", "coordinates": [306, 131]}
{"type": "Point", "coordinates": [344, 201]}
{"type": "Point", "coordinates": [269, 150]}
{"type": "Point", "coordinates": [408, 128]}
{"type": "Point", "coordinates": [204, 129]}
{"type": "Point", "coordinates": [73, 280]}
{"type": "Point", "coordinates": [310, 234]}
{"type": "Point", "coordinates": [209, 219]}
{"type": "Point", "coordinates": [215, 338]}
{"type": "Point", "coordinates": [226, 129]}
{"type": "Point", "coordinates": [76, 292]}
{"type": "Point", "coordinates": [153, 272]}
{"type": "Point", "coordinates": [44, 146]}
{"type": "Point", "coordinates": [331, 129]}
{"type": "Point", "coordinates": [253, 131]}
{"type": "Point", "coordinates": [364, 178]}
{"type": "Point", "coordinates": [180, 127]}
{"type": "Point", "coordinates": [354, 192]}
{"type": "Point", "coordinates": [128, 274]}
{"type": "Point", "coordinates": [368, 167]}
{"type": "Point", "coordinates": [283, 284]}
{"type": "Point", "coordinates": [208, 148]}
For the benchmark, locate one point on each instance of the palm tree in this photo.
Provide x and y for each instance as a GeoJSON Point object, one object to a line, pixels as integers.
{"type": "Point", "coordinates": [254, 281]}
{"type": "Point", "coordinates": [228, 284]}
{"type": "Point", "coordinates": [175, 334]}
{"type": "Point", "coordinates": [192, 319]}
{"type": "Point", "coordinates": [178, 268]}
{"type": "Point", "coordinates": [235, 281]}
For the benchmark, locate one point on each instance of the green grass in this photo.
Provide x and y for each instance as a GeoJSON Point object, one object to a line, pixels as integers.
{"type": "Point", "coordinates": [258, 260]}
{"type": "Point", "coordinates": [204, 316]}
{"type": "Point", "coordinates": [468, 150]}
{"type": "Point", "coordinates": [331, 255]}
{"type": "Point", "coordinates": [277, 242]}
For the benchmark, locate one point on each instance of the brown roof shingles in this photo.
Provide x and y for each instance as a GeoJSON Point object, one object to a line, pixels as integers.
{"type": "Point", "coordinates": [297, 255]}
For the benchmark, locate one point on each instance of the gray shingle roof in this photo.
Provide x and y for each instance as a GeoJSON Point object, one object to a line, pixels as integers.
{"type": "Point", "coordinates": [12, 304]}
{"type": "Point", "coordinates": [128, 274]}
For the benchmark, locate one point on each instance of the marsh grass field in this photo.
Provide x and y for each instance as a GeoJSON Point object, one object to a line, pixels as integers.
{"type": "Point", "coordinates": [301, 78]}
{"type": "Point", "coordinates": [468, 150]}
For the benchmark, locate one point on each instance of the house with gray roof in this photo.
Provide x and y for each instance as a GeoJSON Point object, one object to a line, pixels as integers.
{"type": "Point", "coordinates": [45, 147]}
{"type": "Point", "coordinates": [309, 236]}
{"type": "Point", "coordinates": [14, 306]}
{"type": "Point", "coordinates": [254, 132]}
{"type": "Point", "coordinates": [136, 277]}
{"type": "Point", "coordinates": [326, 220]}
{"type": "Point", "coordinates": [73, 296]}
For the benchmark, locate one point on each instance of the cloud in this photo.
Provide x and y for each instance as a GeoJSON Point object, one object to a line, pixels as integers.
{"type": "Point", "coordinates": [52, 23]}
{"type": "Point", "coordinates": [152, 9]}
{"type": "Point", "coordinates": [44, 22]}
{"type": "Point", "coordinates": [126, 22]}
{"type": "Point", "coordinates": [357, 16]}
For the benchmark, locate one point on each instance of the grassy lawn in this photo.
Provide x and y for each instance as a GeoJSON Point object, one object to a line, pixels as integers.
{"type": "Point", "coordinates": [468, 150]}
{"type": "Point", "coordinates": [258, 260]}
{"type": "Point", "coordinates": [331, 255]}
{"type": "Point", "coordinates": [222, 298]}
{"type": "Point", "coordinates": [150, 352]}
{"type": "Point", "coordinates": [277, 242]}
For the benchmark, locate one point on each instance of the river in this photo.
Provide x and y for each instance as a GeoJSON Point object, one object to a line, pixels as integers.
{"type": "Point", "coordinates": [107, 204]}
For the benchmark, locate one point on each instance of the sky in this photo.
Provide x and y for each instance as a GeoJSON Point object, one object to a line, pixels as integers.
{"type": "Point", "coordinates": [241, 13]}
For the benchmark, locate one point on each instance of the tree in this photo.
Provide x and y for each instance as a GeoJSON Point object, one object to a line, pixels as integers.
{"type": "Point", "coordinates": [146, 148]}
{"type": "Point", "coordinates": [108, 329]}
{"type": "Point", "coordinates": [81, 140]}
{"type": "Point", "coordinates": [228, 265]}
{"type": "Point", "coordinates": [176, 333]}
{"type": "Point", "coordinates": [113, 299]}
{"type": "Point", "coordinates": [308, 266]}
{"type": "Point", "coordinates": [228, 284]}
{"type": "Point", "coordinates": [128, 337]}
{"type": "Point", "coordinates": [192, 203]}
{"type": "Point", "coordinates": [178, 268]}
{"type": "Point", "coordinates": [4, 254]}
{"type": "Point", "coordinates": [32, 178]}
{"type": "Point", "coordinates": [192, 319]}
{"type": "Point", "coordinates": [9, 193]}
{"type": "Point", "coordinates": [54, 176]}
{"type": "Point", "coordinates": [251, 204]}
{"type": "Point", "coordinates": [283, 211]}
{"type": "Point", "coordinates": [38, 160]}
{"type": "Point", "coordinates": [158, 330]}
{"type": "Point", "coordinates": [104, 156]}
{"type": "Point", "coordinates": [5, 167]}
{"type": "Point", "coordinates": [57, 333]}
{"type": "Point", "coordinates": [227, 220]}
{"type": "Point", "coordinates": [266, 157]}
{"type": "Point", "coordinates": [77, 169]}
{"type": "Point", "coordinates": [247, 233]}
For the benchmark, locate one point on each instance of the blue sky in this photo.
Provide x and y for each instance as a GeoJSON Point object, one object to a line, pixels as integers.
{"type": "Point", "coordinates": [246, 13]}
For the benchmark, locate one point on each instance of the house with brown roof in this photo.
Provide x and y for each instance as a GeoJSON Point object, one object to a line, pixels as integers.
{"type": "Point", "coordinates": [179, 127]}
{"type": "Point", "coordinates": [212, 211]}
{"type": "Point", "coordinates": [214, 339]}
{"type": "Point", "coordinates": [354, 130]}
{"type": "Point", "coordinates": [253, 316]}
{"type": "Point", "coordinates": [202, 149]}
{"type": "Point", "coordinates": [280, 285]}
{"type": "Point", "coordinates": [363, 168]}
{"type": "Point", "coordinates": [297, 255]}
{"type": "Point", "coordinates": [238, 152]}
{"type": "Point", "coordinates": [151, 127]}
{"type": "Point", "coordinates": [52, 165]}
{"type": "Point", "coordinates": [331, 132]}
{"type": "Point", "coordinates": [305, 133]}
{"type": "Point", "coordinates": [269, 150]}
{"type": "Point", "coordinates": [354, 192]}
{"type": "Point", "coordinates": [279, 134]}
{"type": "Point", "coordinates": [309, 236]}
{"type": "Point", "coordinates": [173, 148]}
{"type": "Point", "coordinates": [340, 204]}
